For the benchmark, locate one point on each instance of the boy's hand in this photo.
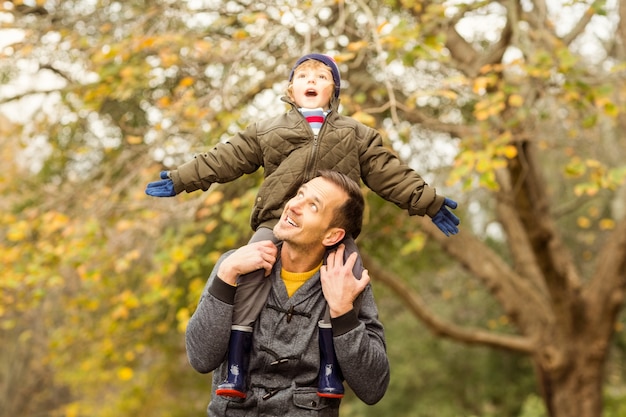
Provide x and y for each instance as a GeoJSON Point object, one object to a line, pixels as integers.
{"type": "Point", "coordinates": [445, 220]}
{"type": "Point", "coordinates": [339, 285]}
{"type": "Point", "coordinates": [163, 188]}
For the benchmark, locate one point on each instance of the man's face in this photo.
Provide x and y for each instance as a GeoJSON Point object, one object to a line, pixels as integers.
{"type": "Point", "coordinates": [313, 86]}
{"type": "Point", "coordinates": [306, 218]}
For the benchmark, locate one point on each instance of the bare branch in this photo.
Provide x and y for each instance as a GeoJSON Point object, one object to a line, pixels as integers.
{"type": "Point", "coordinates": [581, 24]}
{"type": "Point", "coordinates": [609, 280]}
{"type": "Point", "coordinates": [519, 244]}
{"type": "Point", "coordinates": [381, 61]}
{"type": "Point", "coordinates": [515, 293]}
{"type": "Point", "coordinates": [18, 97]}
{"type": "Point", "coordinates": [439, 326]}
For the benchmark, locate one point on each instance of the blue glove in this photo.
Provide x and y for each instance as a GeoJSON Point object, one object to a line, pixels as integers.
{"type": "Point", "coordinates": [163, 188]}
{"type": "Point", "coordinates": [445, 220]}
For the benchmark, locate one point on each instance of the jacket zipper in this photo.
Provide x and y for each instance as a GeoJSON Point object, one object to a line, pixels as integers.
{"type": "Point", "coordinates": [309, 172]}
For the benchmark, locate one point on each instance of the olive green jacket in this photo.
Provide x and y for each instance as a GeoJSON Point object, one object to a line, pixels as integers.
{"type": "Point", "coordinates": [290, 154]}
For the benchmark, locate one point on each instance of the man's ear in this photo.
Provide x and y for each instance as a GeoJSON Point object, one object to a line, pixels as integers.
{"type": "Point", "coordinates": [333, 236]}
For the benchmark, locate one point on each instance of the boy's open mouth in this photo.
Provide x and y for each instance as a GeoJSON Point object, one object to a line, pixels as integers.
{"type": "Point", "coordinates": [310, 93]}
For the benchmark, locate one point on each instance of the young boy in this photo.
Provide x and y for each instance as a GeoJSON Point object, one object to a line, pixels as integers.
{"type": "Point", "coordinates": [311, 136]}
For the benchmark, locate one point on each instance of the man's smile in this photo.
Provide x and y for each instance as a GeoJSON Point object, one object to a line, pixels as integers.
{"type": "Point", "coordinates": [290, 221]}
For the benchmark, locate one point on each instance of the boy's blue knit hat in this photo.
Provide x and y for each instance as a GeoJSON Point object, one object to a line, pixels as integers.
{"type": "Point", "coordinates": [325, 59]}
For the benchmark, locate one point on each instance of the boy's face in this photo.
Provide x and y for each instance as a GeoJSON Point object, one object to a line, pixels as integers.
{"type": "Point", "coordinates": [312, 85]}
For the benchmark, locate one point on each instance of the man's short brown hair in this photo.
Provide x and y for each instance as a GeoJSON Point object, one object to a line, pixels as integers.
{"type": "Point", "coordinates": [349, 216]}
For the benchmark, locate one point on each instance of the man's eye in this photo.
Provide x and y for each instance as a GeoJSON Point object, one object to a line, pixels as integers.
{"type": "Point", "coordinates": [314, 207]}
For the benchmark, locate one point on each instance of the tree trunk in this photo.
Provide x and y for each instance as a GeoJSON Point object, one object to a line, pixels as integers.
{"type": "Point", "coordinates": [574, 388]}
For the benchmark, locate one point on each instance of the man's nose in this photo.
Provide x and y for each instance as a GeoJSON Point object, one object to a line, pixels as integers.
{"type": "Point", "coordinates": [294, 205]}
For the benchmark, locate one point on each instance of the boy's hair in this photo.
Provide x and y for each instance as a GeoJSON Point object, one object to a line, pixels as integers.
{"type": "Point", "coordinates": [349, 216]}
{"type": "Point", "coordinates": [324, 59]}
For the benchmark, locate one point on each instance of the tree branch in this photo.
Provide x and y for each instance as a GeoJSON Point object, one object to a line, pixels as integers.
{"type": "Point", "coordinates": [609, 280]}
{"type": "Point", "coordinates": [581, 24]}
{"type": "Point", "coordinates": [514, 292]}
{"type": "Point", "coordinates": [519, 244]}
{"type": "Point", "coordinates": [439, 326]}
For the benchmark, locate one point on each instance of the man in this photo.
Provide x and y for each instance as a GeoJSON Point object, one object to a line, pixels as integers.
{"type": "Point", "coordinates": [284, 362]}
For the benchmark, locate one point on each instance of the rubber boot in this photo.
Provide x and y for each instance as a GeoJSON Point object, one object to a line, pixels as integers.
{"type": "Point", "coordinates": [238, 360]}
{"type": "Point", "coordinates": [330, 383]}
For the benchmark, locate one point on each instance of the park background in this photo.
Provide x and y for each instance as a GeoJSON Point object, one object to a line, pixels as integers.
{"type": "Point", "coordinates": [515, 109]}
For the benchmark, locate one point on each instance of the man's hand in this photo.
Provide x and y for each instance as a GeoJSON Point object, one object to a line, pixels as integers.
{"type": "Point", "coordinates": [339, 285]}
{"type": "Point", "coordinates": [254, 256]}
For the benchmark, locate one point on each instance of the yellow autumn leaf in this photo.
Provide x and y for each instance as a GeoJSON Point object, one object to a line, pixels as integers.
{"type": "Point", "coordinates": [178, 254]}
{"type": "Point", "coordinates": [182, 317]}
{"type": "Point", "coordinates": [498, 163]}
{"type": "Point", "coordinates": [481, 111]}
{"type": "Point", "coordinates": [593, 163]}
{"type": "Point", "coordinates": [240, 34]}
{"type": "Point", "coordinates": [131, 302]}
{"type": "Point", "coordinates": [380, 27]}
{"type": "Point", "coordinates": [483, 165]}
{"type": "Point", "coordinates": [488, 180]}
{"type": "Point", "coordinates": [54, 221]}
{"type": "Point", "coordinates": [610, 109]}
{"type": "Point", "coordinates": [583, 222]}
{"type": "Point", "coordinates": [147, 42]}
{"type": "Point", "coordinates": [356, 46]}
{"type": "Point", "coordinates": [134, 140]}
{"type": "Point", "coordinates": [210, 226]}
{"type": "Point", "coordinates": [125, 373]}
{"type": "Point", "coordinates": [186, 81]}
{"type": "Point", "coordinates": [365, 118]}
{"type": "Point", "coordinates": [120, 313]}
{"type": "Point", "coordinates": [191, 112]}
{"type": "Point", "coordinates": [72, 410]}
{"type": "Point", "coordinates": [447, 94]}
{"type": "Point", "coordinates": [202, 47]}
{"type": "Point", "coordinates": [126, 72]}
{"type": "Point", "coordinates": [516, 100]}
{"type": "Point", "coordinates": [164, 101]}
{"type": "Point", "coordinates": [607, 224]}
{"type": "Point", "coordinates": [168, 59]}
{"type": "Point", "coordinates": [162, 327]}
{"type": "Point", "coordinates": [510, 151]}
{"type": "Point", "coordinates": [480, 83]}
{"type": "Point", "coordinates": [18, 231]}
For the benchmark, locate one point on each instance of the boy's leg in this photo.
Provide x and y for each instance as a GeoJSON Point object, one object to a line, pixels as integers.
{"type": "Point", "coordinates": [357, 270]}
{"type": "Point", "coordinates": [330, 383]}
{"type": "Point", "coordinates": [351, 247]}
{"type": "Point", "coordinates": [250, 297]}
{"type": "Point", "coordinates": [252, 288]}
{"type": "Point", "coordinates": [330, 379]}
{"type": "Point", "coordinates": [239, 346]}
